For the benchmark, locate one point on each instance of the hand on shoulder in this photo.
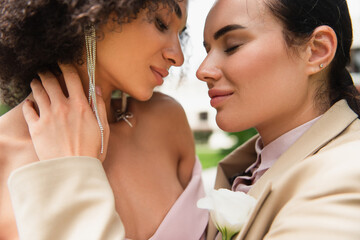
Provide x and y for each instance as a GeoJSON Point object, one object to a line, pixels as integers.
{"type": "Point", "coordinates": [65, 126]}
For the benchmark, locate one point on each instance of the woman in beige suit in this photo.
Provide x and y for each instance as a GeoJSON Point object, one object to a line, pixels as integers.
{"type": "Point", "coordinates": [280, 66]}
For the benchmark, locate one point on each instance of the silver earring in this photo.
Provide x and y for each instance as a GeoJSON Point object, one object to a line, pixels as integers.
{"type": "Point", "coordinates": [321, 65]}
{"type": "Point", "coordinates": [90, 42]}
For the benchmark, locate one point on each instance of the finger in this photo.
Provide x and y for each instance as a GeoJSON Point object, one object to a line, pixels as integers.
{"type": "Point", "coordinates": [52, 86]}
{"type": "Point", "coordinates": [103, 118]}
{"type": "Point", "coordinates": [101, 105]}
{"type": "Point", "coordinates": [72, 81]}
{"type": "Point", "coordinates": [40, 95]}
{"type": "Point", "coordinates": [29, 112]}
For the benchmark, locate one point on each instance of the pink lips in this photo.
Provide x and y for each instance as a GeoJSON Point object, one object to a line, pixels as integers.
{"type": "Point", "coordinates": [159, 73]}
{"type": "Point", "coordinates": [218, 96]}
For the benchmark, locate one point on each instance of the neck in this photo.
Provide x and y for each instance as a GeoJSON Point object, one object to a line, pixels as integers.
{"type": "Point", "coordinates": [271, 131]}
{"type": "Point", "coordinates": [106, 89]}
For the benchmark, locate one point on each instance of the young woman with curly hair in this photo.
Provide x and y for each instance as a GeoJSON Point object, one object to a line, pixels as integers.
{"type": "Point", "coordinates": [147, 148]}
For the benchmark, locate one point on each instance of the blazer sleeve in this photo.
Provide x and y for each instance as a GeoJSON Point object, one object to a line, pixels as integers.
{"type": "Point", "coordinates": [328, 205]}
{"type": "Point", "coordinates": [64, 199]}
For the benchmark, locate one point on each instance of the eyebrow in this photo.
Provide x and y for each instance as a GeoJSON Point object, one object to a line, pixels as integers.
{"type": "Point", "coordinates": [178, 11]}
{"type": "Point", "coordinates": [222, 31]}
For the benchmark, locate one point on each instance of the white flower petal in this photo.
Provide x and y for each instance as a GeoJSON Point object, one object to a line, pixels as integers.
{"type": "Point", "coordinates": [229, 210]}
{"type": "Point", "coordinates": [205, 203]}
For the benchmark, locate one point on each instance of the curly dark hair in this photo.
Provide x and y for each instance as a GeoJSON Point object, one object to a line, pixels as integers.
{"type": "Point", "coordinates": [37, 34]}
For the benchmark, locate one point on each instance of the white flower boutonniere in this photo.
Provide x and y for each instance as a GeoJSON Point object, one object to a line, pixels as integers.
{"type": "Point", "coordinates": [228, 210]}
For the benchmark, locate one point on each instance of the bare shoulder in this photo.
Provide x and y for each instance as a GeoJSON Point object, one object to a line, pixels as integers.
{"type": "Point", "coordinates": [14, 134]}
{"type": "Point", "coordinates": [165, 106]}
{"type": "Point", "coordinates": [169, 123]}
{"type": "Point", "coordinates": [7, 122]}
{"type": "Point", "coordinates": [12, 123]}
{"type": "Point", "coordinates": [162, 109]}
{"type": "Point", "coordinates": [3, 138]}
{"type": "Point", "coordinates": [172, 117]}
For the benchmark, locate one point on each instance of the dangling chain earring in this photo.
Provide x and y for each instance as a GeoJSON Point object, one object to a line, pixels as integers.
{"type": "Point", "coordinates": [122, 114]}
{"type": "Point", "coordinates": [90, 40]}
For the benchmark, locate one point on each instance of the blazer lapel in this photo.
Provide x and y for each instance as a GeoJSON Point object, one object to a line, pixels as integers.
{"type": "Point", "coordinates": [330, 125]}
{"type": "Point", "coordinates": [236, 162]}
{"type": "Point", "coordinates": [260, 200]}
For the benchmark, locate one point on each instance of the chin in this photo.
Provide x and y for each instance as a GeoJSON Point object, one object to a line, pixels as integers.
{"type": "Point", "coordinates": [225, 127]}
{"type": "Point", "coordinates": [224, 124]}
{"type": "Point", "coordinates": [142, 96]}
{"type": "Point", "coordinates": [230, 124]}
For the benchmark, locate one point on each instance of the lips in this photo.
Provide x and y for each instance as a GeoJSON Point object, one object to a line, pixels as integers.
{"type": "Point", "coordinates": [159, 73]}
{"type": "Point", "coordinates": [218, 96]}
{"type": "Point", "coordinates": [219, 93]}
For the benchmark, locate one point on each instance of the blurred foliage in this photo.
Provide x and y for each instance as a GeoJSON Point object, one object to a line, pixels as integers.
{"type": "Point", "coordinates": [201, 137]}
{"type": "Point", "coordinates": [241, 138]}
{"type": "Point", "coordinates": [3, 109]}
{"type": "Point", "coordinates": [210, 157]}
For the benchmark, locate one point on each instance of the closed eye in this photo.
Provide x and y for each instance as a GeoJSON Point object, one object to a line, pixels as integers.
{"type": "Point", "coordinates": [232, 49]}
{"type": "Point", "coordinates": [160, 24]}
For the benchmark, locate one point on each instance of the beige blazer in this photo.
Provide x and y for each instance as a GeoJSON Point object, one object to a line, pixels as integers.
{"type": "Point", "coordinates": [64, 199]}
{"type": "Point", "coordinates": [312, 191]}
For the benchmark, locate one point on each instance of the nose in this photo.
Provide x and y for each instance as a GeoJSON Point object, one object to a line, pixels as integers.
{"type": "Point", "coordinates": [173, 53]}
{"type": "Point", "coordinates": [208, 71]}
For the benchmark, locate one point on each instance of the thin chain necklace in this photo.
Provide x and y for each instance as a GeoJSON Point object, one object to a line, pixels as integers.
{"type": "Point", "coordinates": [122, 113]}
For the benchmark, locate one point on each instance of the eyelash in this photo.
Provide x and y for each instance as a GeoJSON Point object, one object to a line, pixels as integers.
{"type": "Point", "coordinates": [183, 33]}
{"type": "Point", "coordinates": [161, 25]}
{"type": "Point", "coordinates": [232, 49]}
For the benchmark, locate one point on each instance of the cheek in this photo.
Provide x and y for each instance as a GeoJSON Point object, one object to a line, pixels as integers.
{"type": "Point", "coordinates": [264, 81]}
{"type": "Point", "coordinates": [250, 72]}
{"type": "Point", "coordinates": [265, 71]}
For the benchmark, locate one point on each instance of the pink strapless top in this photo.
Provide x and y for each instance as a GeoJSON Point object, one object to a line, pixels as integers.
{"type": "Point", "coordinates": [185, 221]}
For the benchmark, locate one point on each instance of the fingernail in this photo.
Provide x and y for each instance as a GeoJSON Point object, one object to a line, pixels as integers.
{"type": "Point", "coordinates": [98, 90]}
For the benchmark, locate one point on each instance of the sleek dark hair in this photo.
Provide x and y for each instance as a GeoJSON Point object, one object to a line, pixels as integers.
{"type": "Point", "coordinates": [301, 17]}
{"type": "Point", "coordinates": [37, 34]}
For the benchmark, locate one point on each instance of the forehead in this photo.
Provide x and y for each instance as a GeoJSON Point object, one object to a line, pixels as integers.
{"type": "Point", "coordinates": [244, 12]}
{"type": "Point", "coordinates": [179, 10]}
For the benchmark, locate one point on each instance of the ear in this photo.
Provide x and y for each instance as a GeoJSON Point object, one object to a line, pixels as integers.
{"type": "Point", "coordinates": [321, 49]}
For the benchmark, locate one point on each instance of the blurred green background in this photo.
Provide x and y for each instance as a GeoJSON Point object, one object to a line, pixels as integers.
{"type": "Point", "coordinates": [3, 109]}
{"type": "Point", "coordinates": [210, 158]}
